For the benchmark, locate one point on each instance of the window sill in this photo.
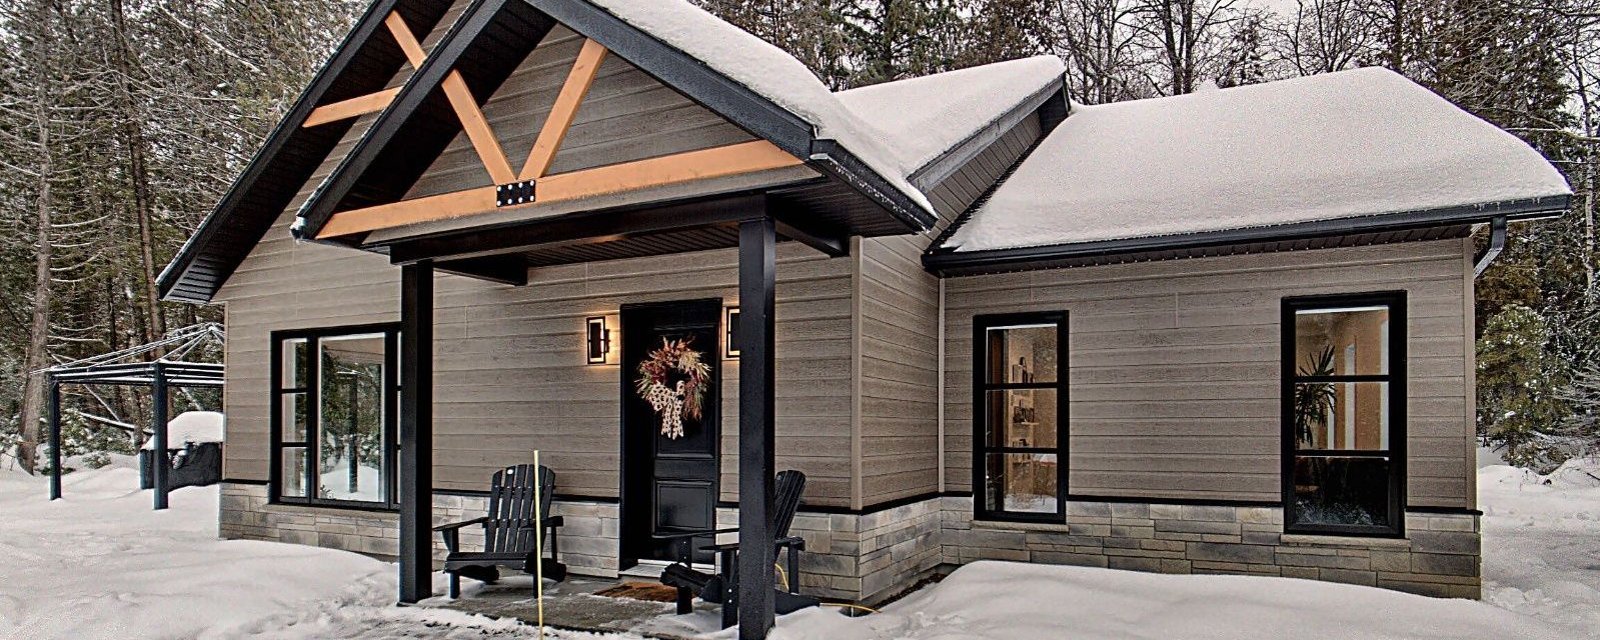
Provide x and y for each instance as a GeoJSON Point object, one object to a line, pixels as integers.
{"type": "Point", "coordinates": [1365, 542]}
{"type": "Point", "coordinates": [1021, 525]}
{"type": "Point", "coordinates": [345, 511]}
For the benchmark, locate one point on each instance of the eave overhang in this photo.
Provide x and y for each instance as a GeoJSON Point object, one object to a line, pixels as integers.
{"type": "Point", "coordinates": [947, 262]}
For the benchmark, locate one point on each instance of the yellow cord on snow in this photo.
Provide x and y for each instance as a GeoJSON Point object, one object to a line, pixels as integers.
{"type": "Point", "coordinates": [850, 606]}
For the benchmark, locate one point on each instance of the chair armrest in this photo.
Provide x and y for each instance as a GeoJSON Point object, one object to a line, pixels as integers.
{"type": "Point", "coordinates": [458, 525]}
{"type": "Point", "coordinates": [552, 521]}
{"type": "Point", "coordinates": [791, 541]}
{"type": "Point", "coordinates": [692, 534]}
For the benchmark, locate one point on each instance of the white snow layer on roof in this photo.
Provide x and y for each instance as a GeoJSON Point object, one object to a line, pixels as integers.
{"type": "Point", "coordinates": [191, 426]}
{"type": "Point", "coordinates": [927, 116]}
{"type": "Point", "coordinates": [777, 76]}
{"type": "Point", "coordinates": [1331, 146]}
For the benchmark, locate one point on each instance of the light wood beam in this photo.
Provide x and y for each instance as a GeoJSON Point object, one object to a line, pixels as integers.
{"type": "Point", "coordinates": [462, 102]}
{"type": "Point", "coordinates": [734, 159]}
{"type": "Point", "coordinates": [345, 109]}
{"type": "Point", "coordinates": [579, 79]}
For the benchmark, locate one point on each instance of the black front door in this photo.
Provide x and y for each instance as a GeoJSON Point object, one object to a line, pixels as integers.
{"type": "Point", "coordinates": [671, 423]}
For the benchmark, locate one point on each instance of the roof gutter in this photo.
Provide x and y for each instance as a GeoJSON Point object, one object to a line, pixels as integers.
{"type": "Point", "coordinates": [1497, 243]}
{"type": "Point", "coordinates": [951, 262]}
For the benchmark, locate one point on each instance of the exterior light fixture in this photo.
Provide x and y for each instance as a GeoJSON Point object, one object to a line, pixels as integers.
{"type": "Point", "coordinates": [730, 326]}
{"type": "Point", "coordinates": [597, 339]}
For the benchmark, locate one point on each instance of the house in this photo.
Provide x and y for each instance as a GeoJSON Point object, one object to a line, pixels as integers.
{"type": "Point", "coordinates": [1225, 332]}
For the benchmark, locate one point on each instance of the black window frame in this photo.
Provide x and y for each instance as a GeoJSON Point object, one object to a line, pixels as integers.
{"type": "Point", "coordinates": [1398, 432]}
{"type": "Point", "coordinates": [981, 387]}
{"type": "Point", "coordinates": [391, 413]}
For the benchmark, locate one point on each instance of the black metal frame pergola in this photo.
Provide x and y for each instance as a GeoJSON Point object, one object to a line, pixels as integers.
{"type": "Point", "coordinates": [160, 375]}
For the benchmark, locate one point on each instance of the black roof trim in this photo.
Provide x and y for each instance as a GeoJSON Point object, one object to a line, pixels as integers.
{"type": "Point", "coordinates": [317, 208]}
{"type": "Point", "coordinates": [957, 156]}
{"type": "Point", "coordinates": [182, 280]}
{"type": "Point", "coordinates": [948, 262]}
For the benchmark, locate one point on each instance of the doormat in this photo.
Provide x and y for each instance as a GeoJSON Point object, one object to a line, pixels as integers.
{"type": "Point", "coordinates": [648, 591]}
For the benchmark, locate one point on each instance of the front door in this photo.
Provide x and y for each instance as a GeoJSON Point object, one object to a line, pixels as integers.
{"type": "Point", "coordinates": [671, 423]}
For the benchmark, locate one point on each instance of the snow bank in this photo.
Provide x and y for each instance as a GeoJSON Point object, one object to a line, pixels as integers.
{"type": "Point", "coordinates": [927, 116]}
{"type": "Point", "coordinates": [191, 426]}
{"type": "Point", "coordinates": [1541, 542]}
{"type": "Point", "coordinates": [779, 77]}
{"type": "Point", "coordinates": [1338, 145]}
{"type": "Point", "coordinates": [1004, 600]}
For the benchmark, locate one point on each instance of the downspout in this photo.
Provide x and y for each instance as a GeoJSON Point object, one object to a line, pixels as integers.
{"type": "Point", "coordinates": [1497, 243]}
{"type": "Point", "coordinates": [940, 384]}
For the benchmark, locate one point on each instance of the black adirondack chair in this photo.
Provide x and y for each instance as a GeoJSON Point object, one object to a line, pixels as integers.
{"type": "Point", "coordinates": [723, 587]}
{"type": "Point", "coordinates": [508, 530]}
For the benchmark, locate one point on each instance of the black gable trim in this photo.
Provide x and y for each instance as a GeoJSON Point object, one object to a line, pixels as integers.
{"type": "Point", "coordinates": [953, 159]}
{"type": "Point", "coordinates": [362, 64]}
{"type": "Point", "coordinates": [947, 262]}
{"type": "Point", "coordinates": [373, 172]}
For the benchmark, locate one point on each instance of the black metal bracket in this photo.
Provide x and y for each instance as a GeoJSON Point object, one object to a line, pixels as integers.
{"type": "Point", "coordinates": [514, 193]}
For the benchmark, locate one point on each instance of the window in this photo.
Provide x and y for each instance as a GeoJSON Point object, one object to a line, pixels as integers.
{"type": "Point", "coordinates": [1019, 415]}
{"type": "Point", "coordinates": [1344, 414]}
{"type": "Point", "coordinates": [335, 396]}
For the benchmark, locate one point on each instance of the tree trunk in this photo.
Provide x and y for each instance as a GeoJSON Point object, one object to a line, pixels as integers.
{"type": "Point", "coordinates": [138, 173]}
{"type": "Point", "coordinates": [36, 357]}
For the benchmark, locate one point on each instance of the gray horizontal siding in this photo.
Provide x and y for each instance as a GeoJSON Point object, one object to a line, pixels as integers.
{"type": "Point", "coordinates": [1174, 367]}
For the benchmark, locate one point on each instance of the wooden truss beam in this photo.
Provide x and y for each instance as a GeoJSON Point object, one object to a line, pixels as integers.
{"type": "Point", "coordinates": [462, 102]}
{"type": "Point", "coordinates": [734, 159]}
{"type": "Point", "coordinates": [565, 109]}
{"type": "Point", "coordinates": [354, 107]}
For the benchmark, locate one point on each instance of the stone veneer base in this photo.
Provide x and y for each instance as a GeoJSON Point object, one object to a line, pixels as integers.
{"type": "Point", "coordinates": [873, 557]}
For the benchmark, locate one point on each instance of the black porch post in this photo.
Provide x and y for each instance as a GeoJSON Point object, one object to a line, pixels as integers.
{"type": "Point", "coordinates": [159, 463]}
{"type": "Point", "coordinates": [757, 272]}
{"type": "Point", "coordinates": [416, 432]}
{"type": "Point", "coordinates": [55, 437]}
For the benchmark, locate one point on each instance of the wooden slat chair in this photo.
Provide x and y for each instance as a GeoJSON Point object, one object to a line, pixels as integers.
{"type": "Point", "coordinates": [508, 529]}
{"type": "Point", "coordinates": [723, 588]}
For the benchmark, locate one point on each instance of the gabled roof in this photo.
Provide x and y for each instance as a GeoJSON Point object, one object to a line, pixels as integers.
{"type": "Point", "coordinates": [1346, 152]}
{"type": "Point", "coordinates": [747, 81]}
{"type": "Point", "coordinates": [361, 65]}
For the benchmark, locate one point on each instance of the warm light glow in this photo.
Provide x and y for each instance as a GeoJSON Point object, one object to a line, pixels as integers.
{"type": "Point", "coordinates": [730, 332]}
{"type": "Point", "coordinates": [597, 339]}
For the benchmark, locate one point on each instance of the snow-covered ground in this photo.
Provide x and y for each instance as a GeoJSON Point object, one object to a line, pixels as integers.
{"type": "Point", "coordinates": [101, 564]}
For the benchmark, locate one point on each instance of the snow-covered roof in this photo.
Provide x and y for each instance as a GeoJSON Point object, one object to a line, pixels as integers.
{"type": "Point", "coordinates": [779, 77]}
{"type": "Point", "coordinates": [1342, 145]}
{"type": "Point", "coordinates": [927, 116]}
{"type": "Point", "coordinates": [191, 426]}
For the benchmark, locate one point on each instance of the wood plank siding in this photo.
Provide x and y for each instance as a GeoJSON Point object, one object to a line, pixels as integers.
{"type": "Point", "coordinates": [899, 336]}
{"type": "Point", "coordinates": [1174, 375]}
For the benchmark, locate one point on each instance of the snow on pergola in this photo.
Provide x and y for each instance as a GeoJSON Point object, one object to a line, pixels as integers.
{"type": "Point", "coordinates": [129, 367]}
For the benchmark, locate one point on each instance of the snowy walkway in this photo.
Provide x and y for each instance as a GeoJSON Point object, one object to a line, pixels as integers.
{"type": "Point", "coordinates": [102, 565]}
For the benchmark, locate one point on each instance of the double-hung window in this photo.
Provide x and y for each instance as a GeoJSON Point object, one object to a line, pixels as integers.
{"type": "Point", "coordinates": [335, 398]}
{"type": "Point", "coordinates": [1344, 460]}
{"type": "Point", "coordinates": [1019, 415]}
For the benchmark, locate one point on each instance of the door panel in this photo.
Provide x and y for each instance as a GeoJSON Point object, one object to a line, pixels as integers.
{"type": "Point", "coordinates": [669, 479]}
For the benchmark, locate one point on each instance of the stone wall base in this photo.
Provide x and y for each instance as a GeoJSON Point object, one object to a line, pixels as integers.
{"type": "Point", "coordinates": [873, 557]}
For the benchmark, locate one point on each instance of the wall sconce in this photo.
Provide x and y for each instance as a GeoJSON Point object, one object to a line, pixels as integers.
{"type": "Point", "coordinates": [597, 339]}
{"type": "Point", "coordinates": [730, 324]}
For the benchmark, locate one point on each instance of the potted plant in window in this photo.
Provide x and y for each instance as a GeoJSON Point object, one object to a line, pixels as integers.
{"type": "Point", "coordinates": [1313, 402]}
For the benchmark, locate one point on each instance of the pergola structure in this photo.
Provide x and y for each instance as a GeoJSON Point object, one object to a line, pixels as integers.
{"type": "Point", "coordinates": [125, 368]}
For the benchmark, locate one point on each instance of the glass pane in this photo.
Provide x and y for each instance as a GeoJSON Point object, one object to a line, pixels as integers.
{"type": "Point", "coordinates": [1342, 491]}
{"type": "Point", "coordinates": [1022, 418]}
{"type": "Point", "coordinates": [1022, 354]}
{"type": "Point", "coordinates": [1349, 341]}
{"type": "Point", "coordinates": [1350, 416]}
{"type": "Point", "coordinates": [295, 417]}
{"type": "Point", "coordinates": [294, 363]}
{"type": "Point", "coordinates": [293, 483]}
{"type": "Point", "coordinates": [1021, 482]}
{"type": "Point", "coordinates": [351, 439]}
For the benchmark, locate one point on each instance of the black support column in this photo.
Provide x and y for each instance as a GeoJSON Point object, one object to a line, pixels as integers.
{"type": "Point", "coordinates": [160, 464]}
{"type": "Point", "coordinates": [55, 437]}
{"type": "Point", "coordinates": [416, 432]}
{"type": "Point", "coordinates": [757, 274]}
